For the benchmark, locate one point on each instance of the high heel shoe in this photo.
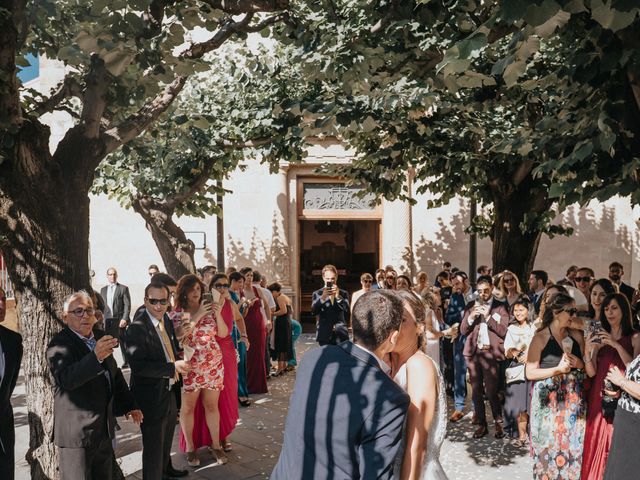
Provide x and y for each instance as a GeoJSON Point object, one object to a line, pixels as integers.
{"type": "Point", "coordinates": [192, 459]}
{"type": "Point", "coordinates": [221, 457]}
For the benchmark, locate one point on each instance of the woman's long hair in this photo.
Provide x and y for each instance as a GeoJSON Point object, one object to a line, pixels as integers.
{"type": "Point", "coordinates": [526, 303]}
{"type": "Point", "coordinates": [626, 324]}
{"type": "Point", "coordinates": [503, 288]}
{"type": "Point", "coordinates": [608, 288]}
{"type": "Point", "coordinates": [546, 296]}
{"type": "Point", "coordinates": [185, 285]}
{"type": "Point", "coordinates": [419, 310]}
{"type": "Point", "coordinates": [552, 306]}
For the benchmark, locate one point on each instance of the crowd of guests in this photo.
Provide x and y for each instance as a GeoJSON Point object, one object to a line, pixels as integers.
{"type": "Point", "coordinates": [197, 348]}
{"type": "Point", "coordinates": [558, 363]}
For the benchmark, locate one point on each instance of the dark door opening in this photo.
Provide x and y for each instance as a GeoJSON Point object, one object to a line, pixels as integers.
{"type": "Point", "coordinates": [353, 246]}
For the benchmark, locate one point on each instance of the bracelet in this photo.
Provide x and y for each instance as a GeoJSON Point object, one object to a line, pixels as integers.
{"type": "Point", "coordinates": [623, 384]}
{"type": "Point", "coordinates": [243, 336]}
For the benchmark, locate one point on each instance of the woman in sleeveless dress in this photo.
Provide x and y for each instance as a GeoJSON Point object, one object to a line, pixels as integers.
{"type": "Point", "coordinates": [614, 344]}
{"type": "Point", "coordinates": [203, 353]}
{"type": "Point", "coordinates": [558, 414]}
{"type": "Point", "coordinates": [426, 423]}
{"type": "Point", "coordinates": [257, 333]}
{"type": "Point", "coordinates": [281, 347]}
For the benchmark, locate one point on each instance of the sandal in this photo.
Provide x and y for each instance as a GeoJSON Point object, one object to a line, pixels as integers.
{"type": "Point", "coordinates": [221, 458]}
{"type": "Point", "coordinates": [192, 459]}
{"type": "Point", "coordinates": [226, 445]}
{"type": "Point", "coordinates": [245, 403]}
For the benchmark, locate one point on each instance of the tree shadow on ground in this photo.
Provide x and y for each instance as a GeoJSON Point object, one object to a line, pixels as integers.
{"type": "Point", "coordinates": [487, 451]}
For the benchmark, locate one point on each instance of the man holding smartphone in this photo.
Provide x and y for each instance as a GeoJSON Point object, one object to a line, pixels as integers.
{"type": "Point", "coordinates": [330, 305]}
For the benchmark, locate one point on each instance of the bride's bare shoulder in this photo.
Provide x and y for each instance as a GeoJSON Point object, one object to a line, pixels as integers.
{"type": "Point", "coordinates": [420, 365]}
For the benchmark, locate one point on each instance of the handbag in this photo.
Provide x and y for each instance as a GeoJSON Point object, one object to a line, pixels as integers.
{"type": "Point", "coordinates": [515, 374]}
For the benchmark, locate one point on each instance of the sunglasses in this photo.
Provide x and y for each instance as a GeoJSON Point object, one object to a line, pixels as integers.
{"type": "Point", "coordinates": [366, 281]}
{"type": "Point", "coordinates": [156, 301]}
{"type": "Point", "coordinates": [571, 311]}
{"type": "Point", "coordinates": [583, 279]}
{"type": "Point", "coordinates": [509, 280]}
{"type": "Point", "coordinates": [80, 312]}
{"type": "Point", "coordinates": [220, 285]}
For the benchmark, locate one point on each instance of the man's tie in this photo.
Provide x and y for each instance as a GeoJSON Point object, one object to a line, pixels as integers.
{"type": "Point", "coordinates": [168, 347]}
{"type": "Point", "coordinates": [91, 344]}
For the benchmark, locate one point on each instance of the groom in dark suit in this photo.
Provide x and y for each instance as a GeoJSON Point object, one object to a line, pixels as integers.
{"type": "Point", "coordinates": [346, 413]}
{"type": "Point", "coordinates": [10, 357]}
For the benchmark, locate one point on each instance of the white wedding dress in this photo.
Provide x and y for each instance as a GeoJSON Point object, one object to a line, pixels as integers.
{"type": "Point", "coordinates": [431, 469]}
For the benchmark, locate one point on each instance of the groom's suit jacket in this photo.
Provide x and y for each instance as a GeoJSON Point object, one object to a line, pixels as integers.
{"type": "Point", "coordinates": [345, 418]}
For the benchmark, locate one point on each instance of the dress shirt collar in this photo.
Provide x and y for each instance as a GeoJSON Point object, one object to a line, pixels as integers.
{"type": "Point", "coordinates": [154, 321]}
{"type": "Point", "coordinates": [82, 337]}
{"type": "Point", "coordinates": [383, 365]}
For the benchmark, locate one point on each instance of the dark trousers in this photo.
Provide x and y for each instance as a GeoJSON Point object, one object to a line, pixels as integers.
{"type": "Point", "coordinates": [123, 348]}
{"type": "Point", "coordinates": [89, 463]}
{"type": "Point", "coordinates": [483, 372]}
{"type": "Point", "coordinates": [7, 457]}
{"type": "Point", "coordinates": [157, 437]}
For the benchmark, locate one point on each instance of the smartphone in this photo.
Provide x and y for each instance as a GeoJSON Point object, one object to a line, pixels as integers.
{"type": "Point", "coordinates": [594, 328]}
{"type": "Point", "coordinates": [112, 327]}
{"type": "Point", "coordinates": [329, 285]}
{"type": "Point", "coordinates": [207, 297]}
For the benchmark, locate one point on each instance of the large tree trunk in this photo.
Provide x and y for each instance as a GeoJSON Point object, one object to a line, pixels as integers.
{"type": "Point", "coordinates": [514, 249]}
{"type": "Point", "coordinates": [174, 247]}
{"type": "Point", "coordinates": [44, 222]}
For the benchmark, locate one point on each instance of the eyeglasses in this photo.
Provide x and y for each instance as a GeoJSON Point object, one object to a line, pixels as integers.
{"type": "Point", "coordinates": [571, 311]}
{"type": "Point", "coordinates": [80, 312]}
{"type": "Point", "coordinates": [583, 279]}
{"type": "Point", "coordinates": [155, 301]}
{"type": "Point", "coordinates": [220, 285]}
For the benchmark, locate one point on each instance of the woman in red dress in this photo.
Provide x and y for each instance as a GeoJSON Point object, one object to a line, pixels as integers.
{"type": "Point", "coordinates": [202, 352]}
{"type": "Point", "coordinates": [257, 333]}
{"type": "Point", "coordinates": [615, 344]}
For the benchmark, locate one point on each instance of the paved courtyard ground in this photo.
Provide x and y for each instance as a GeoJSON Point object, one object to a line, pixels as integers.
{"type": "Point", "coordinates": [258, 438]}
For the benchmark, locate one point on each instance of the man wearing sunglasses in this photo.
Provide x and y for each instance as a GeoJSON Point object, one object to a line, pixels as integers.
{"type": "Point", "coordinates": [89, 391]}
{"type": "Point", "coordinates": [155, 370]}
{"type": "Point", "coordinates": [585, 276]}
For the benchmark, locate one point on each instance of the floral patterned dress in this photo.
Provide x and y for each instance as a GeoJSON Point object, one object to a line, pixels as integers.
{"type": "Point", "coordinates": [558, 418]}
{"type": "Point", "coordinates": [207, 370]}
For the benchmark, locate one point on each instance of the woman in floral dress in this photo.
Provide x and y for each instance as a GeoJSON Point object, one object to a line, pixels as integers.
{"type": "Point", "coordinates": [202, 351]}
{"type": "Point", "coordinates": [558, 414]}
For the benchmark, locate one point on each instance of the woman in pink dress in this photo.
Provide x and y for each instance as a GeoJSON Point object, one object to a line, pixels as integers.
{"type": "Point", "coordinates": [202, 351]}
{"type": "Point", "coordinates": [256, 331]}
{"type": "Point", "coordinates": [612, 344]}
{"type": "Point", "coordinates": [228, 401]}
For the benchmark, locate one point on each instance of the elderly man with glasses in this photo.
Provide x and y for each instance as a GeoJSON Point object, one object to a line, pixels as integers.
{"type": "Point", "coordinates": [89, 391]}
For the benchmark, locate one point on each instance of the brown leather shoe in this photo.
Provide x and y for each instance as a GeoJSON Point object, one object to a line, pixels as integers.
{"type": "Point", "coordinates": [474, 419]}
{"type": "Point", "coordinates": [481, 431]}
{"type": "Point", "coordinates": [455, 416]}
{"type": "Point", "coordinates": [499, 431]}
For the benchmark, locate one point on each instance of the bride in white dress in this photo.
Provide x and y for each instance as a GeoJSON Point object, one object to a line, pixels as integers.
{"type": "Point", "coordinates": [420, 377]}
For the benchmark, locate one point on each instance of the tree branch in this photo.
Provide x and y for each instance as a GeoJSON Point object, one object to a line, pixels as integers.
{"type": "Point", "coordinates": [95, 97]}
{"type": "Point", "coordinates": [198, 184]}
{"type": "Point", "coordinates": [197, 50]}
{"type": "Point", "coordinates": [263, 24]}
{"type": "Point", "coordinates": [384, 21]}
{"type": "Point", "coordinates": [247, 144]}
{"type": "Point", "coordinates": [634, 82]}
{"type": "Point", "coordinates": [68, 88]}
{"type": "Point", "coordinates": [138, 122]}
{"type": "Point", "coordinates": [236, 7]}
{"type": "Point", "coordinates": [522, 171]}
